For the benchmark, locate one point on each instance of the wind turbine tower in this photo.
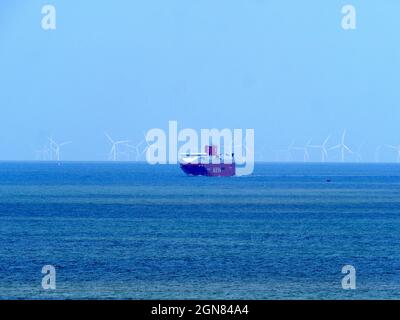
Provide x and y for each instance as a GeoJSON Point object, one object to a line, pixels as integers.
{"type": "Point", "coordinates": [322, 147]}
{"type": "Point", "coordinates": [342, 147]}
{"type": "Point", "coordinates": [114, 147]}
{"type": "Point", "coordinates": [55, 148]}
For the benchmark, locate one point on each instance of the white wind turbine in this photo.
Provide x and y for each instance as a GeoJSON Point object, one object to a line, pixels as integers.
{"type": "Point", "coordinates": [43, 154]}
{"type": "Point", "coordinates": [306, 155]}
{"type": "Point", "coordinates": [55, 147]}
{"type": "Point", "coordinates": [397, 148]}
{"type": "Point", "coordinates": [136, 148]}
{"type": "Point", "coordinates": [342, 147]}
{"type": "Point", "coordinates": [322, 147]}
{"type": "Point", "coordinates": [114, 147]}
{"type": "Point", "coordinates": [141, 142]}
{"type": "Point", "coordinates": [358, 153]}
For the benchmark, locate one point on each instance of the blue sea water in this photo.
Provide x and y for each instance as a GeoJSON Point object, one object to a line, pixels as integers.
{"type": "Point", "coordinates": [135, 231]}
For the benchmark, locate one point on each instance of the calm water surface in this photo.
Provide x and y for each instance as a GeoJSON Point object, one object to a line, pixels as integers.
{"type": "Point", "coordinates": [135, 231]}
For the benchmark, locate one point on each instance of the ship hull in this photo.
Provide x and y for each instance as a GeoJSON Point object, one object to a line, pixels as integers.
{"type": "Point", "coordinates": [209, 169]}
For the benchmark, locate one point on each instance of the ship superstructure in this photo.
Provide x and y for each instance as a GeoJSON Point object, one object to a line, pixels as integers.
{"type": "Point", "coordinates": [208, 163]}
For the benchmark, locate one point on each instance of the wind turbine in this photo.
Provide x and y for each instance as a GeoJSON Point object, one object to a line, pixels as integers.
{"type": "Point", "coordinates": [306, 155]}
{"type": "Point", "coordinates": [114, 147]}
{"type": "Point", "coordinates": [147, 144]}
{"type": "Point", "coordinates": [397, 148]}
{"type": "Point", "coordinates": [136, 147]}
{"type": "Point", "coordinates": [342, 147]}
{"type": "Point", "coordinates": [43, 154]}
{"type": "Point", "coordinates": [358, 153]}
{"type": "Point", "coordinates": [55, 147]}
{"type": "Point", "coordinates": [322, 147]}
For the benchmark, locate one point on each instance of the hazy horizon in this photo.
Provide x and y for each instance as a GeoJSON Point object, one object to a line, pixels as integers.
{"type": "Point", "coordinates": [286, 69]}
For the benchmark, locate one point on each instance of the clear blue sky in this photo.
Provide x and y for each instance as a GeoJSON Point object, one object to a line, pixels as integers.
{"type": "Point", "coordinates": [285, 68]}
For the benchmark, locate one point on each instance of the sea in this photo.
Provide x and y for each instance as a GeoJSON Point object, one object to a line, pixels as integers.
{"type": "Point", "coordinates": [136, 231]}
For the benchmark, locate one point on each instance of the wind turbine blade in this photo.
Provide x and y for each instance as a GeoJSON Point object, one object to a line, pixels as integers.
{"type": "Point", "coordinates": [147, 143]}
{"type": "Point", "coordinates": [145, 139]}
{"type": "Point", "coordinates": [140, 143]}
{"type": "Point", "coordinates": [108, 137]}
{"type": "Point", "coordinates": [121, 141]}
{"type": "Point", "coordinates": [144, 150]}
{"type": "Point", "coordinates": [326, 140]}
{"type": "Point", "coordinates": [52, 141]}
{"type": "Point", "coordinates": [347, 148]}
{"type": "Point", "coordinates": [306, 155]}
{"type": "Point", "coordinates": [335, 147]}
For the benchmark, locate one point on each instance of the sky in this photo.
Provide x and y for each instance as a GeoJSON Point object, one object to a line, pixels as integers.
{"type": "Point", "coordinates": [286, 69]}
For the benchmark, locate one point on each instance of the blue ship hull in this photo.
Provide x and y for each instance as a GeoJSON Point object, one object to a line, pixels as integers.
{"type": "Point", "coordinates": [209, 169]}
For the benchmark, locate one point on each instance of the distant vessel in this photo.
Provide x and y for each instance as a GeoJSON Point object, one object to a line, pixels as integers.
{"type": "Point", "coordinates": [208, 163]}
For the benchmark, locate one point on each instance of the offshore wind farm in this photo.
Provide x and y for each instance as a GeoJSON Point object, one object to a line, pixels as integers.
{"type": "Point", "coordinates": [326, 150]}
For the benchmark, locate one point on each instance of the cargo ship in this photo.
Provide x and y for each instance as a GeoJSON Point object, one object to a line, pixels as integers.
{"type": "Point", "coordinates": [208, 163]}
